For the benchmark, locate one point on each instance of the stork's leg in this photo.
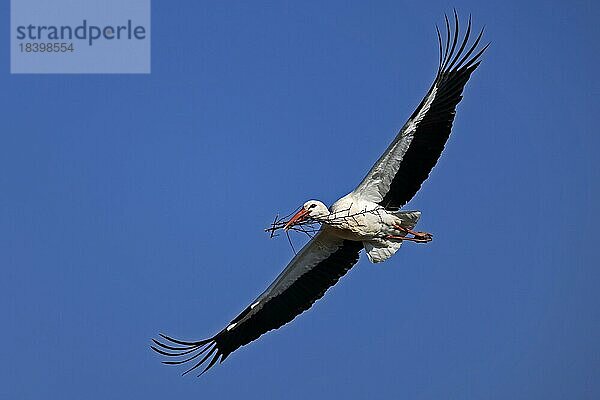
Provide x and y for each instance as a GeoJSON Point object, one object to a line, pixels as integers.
{"type": "Point", "coordinates": [422, 236]}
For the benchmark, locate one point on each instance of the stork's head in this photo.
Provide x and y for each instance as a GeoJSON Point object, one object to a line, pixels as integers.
{"type": "Point", "coordinates": [312, 209]}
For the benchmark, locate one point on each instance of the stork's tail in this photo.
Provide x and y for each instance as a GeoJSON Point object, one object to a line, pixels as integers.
{"type": "Point", "coordinates": [408, 219]}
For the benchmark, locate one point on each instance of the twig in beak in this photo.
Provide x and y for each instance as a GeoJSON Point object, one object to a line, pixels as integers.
{"type": "Point", "coordinates": [287, 233]}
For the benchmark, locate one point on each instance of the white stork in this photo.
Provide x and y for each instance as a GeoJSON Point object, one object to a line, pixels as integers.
{"type": "Point", "coordinates": [366, 218]}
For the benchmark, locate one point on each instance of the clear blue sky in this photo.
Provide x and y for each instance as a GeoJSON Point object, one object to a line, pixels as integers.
{"type": "Point", "coordinates": [134, 204]}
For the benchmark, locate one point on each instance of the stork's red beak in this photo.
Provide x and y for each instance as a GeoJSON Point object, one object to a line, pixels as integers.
{"type": "Point", "coordinates": [298, 217]}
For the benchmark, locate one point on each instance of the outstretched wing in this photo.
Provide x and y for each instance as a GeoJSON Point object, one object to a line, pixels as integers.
{"type": "Point", "coordinates": [398, 174]}
{"type": "Point", "coordinates": [317, 267]}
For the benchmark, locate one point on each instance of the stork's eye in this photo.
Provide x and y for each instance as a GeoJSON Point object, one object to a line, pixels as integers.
{"type": "Point", "coordinates": [312, 206]}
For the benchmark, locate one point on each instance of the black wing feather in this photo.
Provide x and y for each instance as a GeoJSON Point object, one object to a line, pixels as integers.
{"type": "Point", "coordinates": [276, 312]}
{"type": "Point", "coordinates": [433, 130]}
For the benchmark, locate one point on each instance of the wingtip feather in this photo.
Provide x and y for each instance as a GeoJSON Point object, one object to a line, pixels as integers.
{"type": "Point", "coordinates": [191, 349]}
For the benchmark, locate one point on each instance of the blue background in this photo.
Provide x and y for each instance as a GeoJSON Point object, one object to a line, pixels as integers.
{"type": "Point", "coordinates": [132, 205]}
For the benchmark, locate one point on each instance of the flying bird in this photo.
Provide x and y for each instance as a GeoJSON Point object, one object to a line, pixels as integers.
{"type": "Point", "coordinates": [369, 217]}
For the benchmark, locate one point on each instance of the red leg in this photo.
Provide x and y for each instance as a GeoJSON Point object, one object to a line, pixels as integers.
{"type": "Point", "coordinates": [417, 239]}
{"type": "Point", "coordinates": [423, 236]}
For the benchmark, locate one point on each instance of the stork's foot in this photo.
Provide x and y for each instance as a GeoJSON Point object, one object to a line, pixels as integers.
{"type": "Point", "coordinates": [423, 236]}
